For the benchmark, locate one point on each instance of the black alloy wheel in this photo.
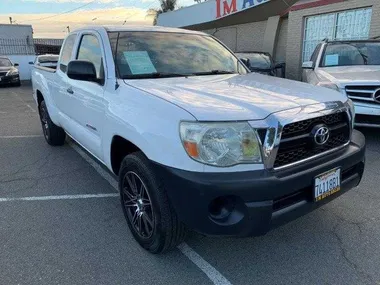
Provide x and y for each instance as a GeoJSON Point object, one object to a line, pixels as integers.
{"type": "Point", "coordinates": [138, 205]}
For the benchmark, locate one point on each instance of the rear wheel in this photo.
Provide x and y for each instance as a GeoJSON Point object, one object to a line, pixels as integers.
{"type": "Point", "coordinates": [53, 134]}
{"type": "Point", "coordinates": [151, 219]}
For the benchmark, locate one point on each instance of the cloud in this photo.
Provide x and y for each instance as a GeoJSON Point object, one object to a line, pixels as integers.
{"type": "Point", "coordinates": [55, 27]}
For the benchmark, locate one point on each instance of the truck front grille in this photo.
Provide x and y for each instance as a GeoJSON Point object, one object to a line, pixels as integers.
{"type": "Point", "coordinates": [367, 93]}
{"type": "Point", "coordinates": [3, 73]}
{"type": "Point", "coordinates": [297, 139]}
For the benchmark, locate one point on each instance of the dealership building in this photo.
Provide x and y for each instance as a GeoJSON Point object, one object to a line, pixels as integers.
{"type": "Point", "coordinates": [288, 29]}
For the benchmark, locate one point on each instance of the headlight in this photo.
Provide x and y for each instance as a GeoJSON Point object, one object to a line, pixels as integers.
{"type": "Point", "coordinates": [329, 85]}
{"type": "Point", "coordinates": [12, 72]}
{"type": "Point", "coordinates": [221, 144]}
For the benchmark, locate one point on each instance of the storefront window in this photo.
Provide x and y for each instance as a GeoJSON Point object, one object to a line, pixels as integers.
{"type": "Point", "coordinates": [346, 25]}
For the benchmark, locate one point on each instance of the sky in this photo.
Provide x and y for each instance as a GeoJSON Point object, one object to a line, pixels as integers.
{"type": "Point", "coordinates": [42, 14]}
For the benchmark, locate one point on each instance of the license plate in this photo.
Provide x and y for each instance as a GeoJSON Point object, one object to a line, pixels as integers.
{"type": "Point", "coordinates": [326, 184]}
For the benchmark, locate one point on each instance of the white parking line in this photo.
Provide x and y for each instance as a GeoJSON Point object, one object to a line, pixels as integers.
{"type": "Point", "coordinates": [59, 197]}
{"type": "Point", "coordinates": [214, 275]}
{"type": "Point", "coordinates": [21, 137]}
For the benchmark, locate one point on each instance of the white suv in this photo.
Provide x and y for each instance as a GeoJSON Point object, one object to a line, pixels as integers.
{"type": "Point", "coordinates": [352, 68]}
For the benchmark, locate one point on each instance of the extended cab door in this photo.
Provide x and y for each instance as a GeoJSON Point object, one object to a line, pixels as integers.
{"type": "Point", "coordinates": [86, 105]}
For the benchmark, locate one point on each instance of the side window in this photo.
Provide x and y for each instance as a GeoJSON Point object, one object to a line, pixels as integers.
{"type": "Point", "coordinates": [90, 50]}
{"type": "Point", "coordinates": [314, 56]}
{"type": "Point", "coordinates": [67, 50]}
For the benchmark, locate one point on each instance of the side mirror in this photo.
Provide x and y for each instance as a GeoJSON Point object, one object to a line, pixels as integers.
{"type": "Point", "coordinates": [279, 65]}
{"type": "Point", "coordinates": [245, 61]}
{"type": "Point", "coordinates": [16, 64]}
{"type": "Point", "coordinates": [308, 65]}
{"type": "Point", "coordinates": [82, 70]}
{"type": "Point", "coordinates": [31, 62]}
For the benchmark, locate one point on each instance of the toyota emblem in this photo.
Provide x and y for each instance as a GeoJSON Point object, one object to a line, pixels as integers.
{"type": "Point", "coordinates": [321, 135]}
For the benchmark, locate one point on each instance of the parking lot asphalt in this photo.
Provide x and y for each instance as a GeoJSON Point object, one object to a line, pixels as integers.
{"type": "Point", "coordinates": [61, 223]}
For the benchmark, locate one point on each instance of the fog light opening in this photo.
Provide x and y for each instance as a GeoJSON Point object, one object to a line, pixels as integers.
{"type": "Point", "coordinates": [222, 207]}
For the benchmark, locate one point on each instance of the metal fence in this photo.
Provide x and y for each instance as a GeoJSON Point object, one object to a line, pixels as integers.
{"type": "Point", "coordinates": [17, 47]}
{"type": "Point", "coordinates": [47, 46]}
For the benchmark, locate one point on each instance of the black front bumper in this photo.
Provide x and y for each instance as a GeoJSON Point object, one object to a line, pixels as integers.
{"type": "Point", "coordinates": [251, 203]}
{"type": "Point", "coordinates": [11, 79]}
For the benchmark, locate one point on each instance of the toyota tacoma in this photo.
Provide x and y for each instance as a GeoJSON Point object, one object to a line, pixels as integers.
{"type": "Point", "coordinates": [197, 142]}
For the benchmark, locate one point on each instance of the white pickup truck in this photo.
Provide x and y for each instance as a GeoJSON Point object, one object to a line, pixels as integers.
{"type": "Point", "coordinates": [196, 141]}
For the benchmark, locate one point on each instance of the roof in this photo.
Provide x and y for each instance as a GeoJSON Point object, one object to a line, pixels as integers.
{"type": "Point", "coordinates": [17, 25]}
{"type": "Point", "coordinates": [352, 41]}
{"type": "Point", "coordinates": [140, 29]}
{"type": "Point", "coordinates": [218, 14]}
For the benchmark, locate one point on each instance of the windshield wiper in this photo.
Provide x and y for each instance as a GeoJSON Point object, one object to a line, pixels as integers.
{"type": "Point", "coordinates": [214, 72]}
{"type": "Point", "coordinates": [364, 57]}
{"type": "Point", "coordinates": [155, 75]}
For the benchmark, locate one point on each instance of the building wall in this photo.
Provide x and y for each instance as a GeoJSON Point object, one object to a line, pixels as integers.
{"type": "Point", "coordinates": [16, 42]}
{"type": "Point", "coordinates": [245, 37]}
{"type": "Point", "coordinates": [296, 28]}
{"type": "Point", "coordinates": [282, 41]}
{"type": "Point", "coordinates": [24, 66]}
{"type": "Point", "coordinates": [15, 31]}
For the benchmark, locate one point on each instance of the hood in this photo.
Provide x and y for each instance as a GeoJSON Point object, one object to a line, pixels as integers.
{"type": "Point", "coordinates": [235, 97]}
{"type": "Point", "coordinates": [5, 68]}
{"type": "Point", "coordinates": [351, 74]}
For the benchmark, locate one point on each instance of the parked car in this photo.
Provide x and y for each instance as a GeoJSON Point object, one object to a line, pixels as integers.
{"type": "Point", "coordinates": [261, 62]}
{"type": "Point", "coordinates": [46, 60]}
{"type": "Point", "coordinates": [196, 140]}
{"type": "Point", "coordinates": [353, 69]}
{"type": "Point", "coordinates": [9, 74]}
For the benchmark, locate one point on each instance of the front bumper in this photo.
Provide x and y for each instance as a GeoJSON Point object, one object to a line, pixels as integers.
{"type": "Point", "coordinates": [10, 79]}
{"type": "Point", "coordinates": [367, 114]}
{"type": "Point", "coordinates": [256, 201]}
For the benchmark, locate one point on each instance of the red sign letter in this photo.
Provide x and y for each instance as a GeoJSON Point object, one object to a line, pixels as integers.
{"type": "Point", "coordinates": [229, 9]}
{"type": "Point", "coordinates": [218, 9]}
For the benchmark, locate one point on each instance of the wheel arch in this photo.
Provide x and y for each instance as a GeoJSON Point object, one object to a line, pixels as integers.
{"type": "Point", "coordinates": [120, 148]}
{"type": "Point", "coordinates": [40, 97]}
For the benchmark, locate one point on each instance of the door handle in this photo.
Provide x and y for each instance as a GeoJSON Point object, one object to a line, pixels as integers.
{"type": "Point", "coordinates": [70, 90]}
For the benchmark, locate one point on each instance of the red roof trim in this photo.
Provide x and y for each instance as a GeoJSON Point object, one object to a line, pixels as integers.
{"type": "Point", "coordinates": [310, 5]}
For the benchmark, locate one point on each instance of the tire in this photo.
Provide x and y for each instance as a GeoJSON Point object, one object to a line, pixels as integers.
{"type": "Point", "coordinates": [164, 231]}
{"type": "Point", "coordinates": [53, 134]}
{"type": "Point", "coordinates": [18, 83]}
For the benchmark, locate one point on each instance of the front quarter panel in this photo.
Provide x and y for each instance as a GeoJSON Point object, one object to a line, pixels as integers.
{"type": "Point", "coordinates": [150, 123]}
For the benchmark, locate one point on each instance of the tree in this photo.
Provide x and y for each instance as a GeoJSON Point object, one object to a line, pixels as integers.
{"type": "Point", "coordinates": [166, 5]}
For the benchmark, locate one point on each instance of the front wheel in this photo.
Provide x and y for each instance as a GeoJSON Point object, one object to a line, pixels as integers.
{"type": "Point", "coordinates": [53, 134]}
{"type": "Point", "coordinates": [147, 209]}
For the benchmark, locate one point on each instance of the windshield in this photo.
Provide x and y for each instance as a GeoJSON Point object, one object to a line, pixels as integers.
{"type": "Point", "coordinates": [46, 59]}
{"type": "Point", "coordinates": [354, 53]}
{"type": "Point", "coordinates": [157, 54]}
{"type": "Point", "coordinates": [4, 62]}
{"type": "Point", "coordinates": [258, 60]}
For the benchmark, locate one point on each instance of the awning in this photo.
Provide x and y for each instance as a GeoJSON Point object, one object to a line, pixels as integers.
{"type": "Point", "coordinates": [221, 13]}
